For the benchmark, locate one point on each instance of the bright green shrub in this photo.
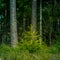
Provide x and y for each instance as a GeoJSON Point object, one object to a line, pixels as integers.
{"type": "Point", "coordinates": [30, 41]}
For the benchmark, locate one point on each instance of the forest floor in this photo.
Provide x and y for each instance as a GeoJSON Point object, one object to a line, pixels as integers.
{"type": "Point", "coordinates": [8, 53]}
{"type": "Point", "coordinates": [55, 56]}
{"type": "Point", "coordinates": [51, 57]}
{"type": "Point", "coordinates": [31, 56]}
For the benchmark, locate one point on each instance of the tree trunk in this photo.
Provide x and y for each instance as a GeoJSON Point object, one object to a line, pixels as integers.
{"type": "Point", "coordinates": [13, 23]}
{"type": "Point", "coordinates": [34, 15]}
{"type": "Point", "coordinates": [5, 21]}
{"type": "Point", "coordinates": [24, 24]}
{"type": "Point", "coordinates": [58, 25]}
{"type": "Point", "coordinates": [51, 28]}
{"type": "Point", "coordinates": [40, 21]}
{"type": "Point", "coordinates": [51, 22]}
{"type": "Point", "coordinates": [0, 31]}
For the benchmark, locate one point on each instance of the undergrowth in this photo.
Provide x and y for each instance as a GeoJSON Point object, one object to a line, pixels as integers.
{"type": "Point", "coordinates": [30, 47]}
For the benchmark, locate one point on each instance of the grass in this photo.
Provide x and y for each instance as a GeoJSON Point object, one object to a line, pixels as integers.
{"type": "Point", "coordinates": [8, 53]}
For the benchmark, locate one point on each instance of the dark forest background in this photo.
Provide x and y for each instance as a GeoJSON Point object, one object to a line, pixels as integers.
{"type": "Point", "coordinates": [32, 25]}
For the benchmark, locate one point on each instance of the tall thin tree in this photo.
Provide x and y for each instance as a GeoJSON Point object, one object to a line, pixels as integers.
{"type": "Point", "coordinates": [13, 23]}
{"type": "Point", "coordinates": [34, 15]}
{"type": "Point", "coordinates": [51, 22]}
{"type": "Point", "coordinates": [40, 21]}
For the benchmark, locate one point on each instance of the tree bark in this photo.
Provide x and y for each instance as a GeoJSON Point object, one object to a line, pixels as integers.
{"type": "Point", "coordinates": [13, 23]}
{"type": "Point", "coordinates": [40, 21]}
{"type": "Point", "coordinates": [34, 15]}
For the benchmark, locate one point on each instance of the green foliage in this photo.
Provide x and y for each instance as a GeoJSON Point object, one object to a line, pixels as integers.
{"type": "Point", "coordinates": [9, 53]}
{"type": "Point", "coordinates": [30, 47]}
{"type": "Point", "coordinates": [56, 47]}
{"type": "Point", "coordinates": [30, 41]}
{"type": "Point", "coordinates": [29, 50]}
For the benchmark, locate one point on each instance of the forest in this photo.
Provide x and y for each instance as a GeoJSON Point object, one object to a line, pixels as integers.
{"type": "Point", "coordinates": [29, 29]}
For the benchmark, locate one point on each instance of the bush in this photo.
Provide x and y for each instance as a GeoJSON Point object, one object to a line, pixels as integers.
{"type": "Point", "coordinates": [30, 41]}
{"type": "Point", "coordinates": [8, 53]}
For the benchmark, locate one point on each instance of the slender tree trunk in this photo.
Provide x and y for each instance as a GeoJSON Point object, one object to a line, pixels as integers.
{"type": "Point", "coordinates": [58, 25]}
{"type": "Point", "coordinates": [51, 22]}
{"type": "Point", "coordinates": [24, 24]}
{"type": "Point", "coordinates": [34, 15]}
{"type": "Point", "coordinates": [55, 3]}
{"type": "Point", "coordinates": [0, 34]}
{"type": "Point", "coordinates": [13, 23]}
{"type": "Point", "coordinates": [40, 21]}
{"type": "Point", "coordinates": [24, 19]}
{"type": "Point", "coordinates": [5, 21]}
{"type": "Point", "coordinates": [51, 28]}
{"type": "Point", "coordinates": [2, 29]}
